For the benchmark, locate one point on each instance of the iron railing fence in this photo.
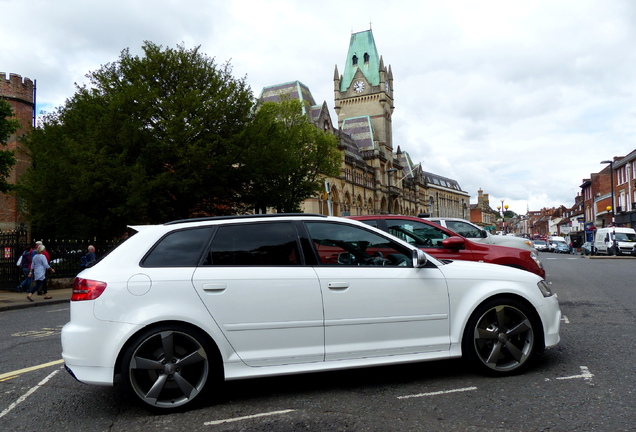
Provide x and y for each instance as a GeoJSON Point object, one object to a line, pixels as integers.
{"type": "Point", "coordinates": [12, 245]}
{"type": "Point", "coordinates": [65, 256]}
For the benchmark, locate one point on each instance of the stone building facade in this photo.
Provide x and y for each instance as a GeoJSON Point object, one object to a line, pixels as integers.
{"type": "Point", "coordinates": [376, 176]}
{"type": "Point", "coordinates": [20, 93]}
{"type": "Point", "coordinates": [482, 214]}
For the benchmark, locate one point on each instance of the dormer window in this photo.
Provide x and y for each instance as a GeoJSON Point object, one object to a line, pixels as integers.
{"type": "Point", "coordinates": [354, 60]}
{"type": "Point", "coordinates": [366, 58]}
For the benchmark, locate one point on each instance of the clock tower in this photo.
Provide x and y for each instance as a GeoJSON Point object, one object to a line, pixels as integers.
{"type": "Point", "coordinates": [364, 94]}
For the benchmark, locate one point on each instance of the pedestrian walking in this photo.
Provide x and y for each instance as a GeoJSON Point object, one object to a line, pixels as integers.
{"type": "Point", "coordinates": [39, 266]}
{"type": "Point", "coordinates": [43, 289]}
{"type": "Point", "coordinates": [25, 264]}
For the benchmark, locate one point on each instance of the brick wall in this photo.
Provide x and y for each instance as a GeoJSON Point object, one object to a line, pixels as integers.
{"type": "Point", "coordinates": [19, 92]}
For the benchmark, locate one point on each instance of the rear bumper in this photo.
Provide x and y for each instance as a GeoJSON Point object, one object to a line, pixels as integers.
{"type": "Point", "coordinates": [91, 375]}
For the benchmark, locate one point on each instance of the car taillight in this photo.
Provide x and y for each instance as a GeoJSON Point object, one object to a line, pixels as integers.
{"type": "Point", "coordinates": [85, 289]}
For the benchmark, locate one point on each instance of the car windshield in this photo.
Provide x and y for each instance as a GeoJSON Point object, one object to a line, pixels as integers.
{"type": "Point", "coordinates": [539, 242]}
{"type": "Point", "coordinates": [625, 237]}
{"type": "Point", "coordinates": [464, 229]}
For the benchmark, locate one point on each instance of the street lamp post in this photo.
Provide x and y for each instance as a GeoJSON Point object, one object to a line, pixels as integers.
{"type": "Point", "coordinates": [612, 207]}
{"type": "Point", "coordinates": [611, 164]}
{"type": "Point", "coordinates": [503, 209]}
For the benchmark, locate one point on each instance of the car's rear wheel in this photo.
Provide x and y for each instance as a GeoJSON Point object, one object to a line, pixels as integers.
{"type": "Point", "coordinates": [501, 338]}
{"type": "Point", "coordinates": [169, 367]}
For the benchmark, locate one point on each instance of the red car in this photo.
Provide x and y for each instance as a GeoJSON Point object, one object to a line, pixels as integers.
{"type": "Point", "coordinates": [443, 243]}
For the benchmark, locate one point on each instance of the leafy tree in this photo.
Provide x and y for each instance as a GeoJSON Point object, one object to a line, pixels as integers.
{"type": "Point", "coordinates": [8, 126]}
{"type": "Point", "coordinates": [153, 138]}
{"type": "Point", "coordinates": [287, 157]}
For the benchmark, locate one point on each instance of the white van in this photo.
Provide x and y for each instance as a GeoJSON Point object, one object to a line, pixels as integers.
{"type": "Point", "coordinates": [614, 241]}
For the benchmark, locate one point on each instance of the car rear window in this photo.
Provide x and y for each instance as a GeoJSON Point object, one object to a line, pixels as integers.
{"type": "Point", "coordinates": [181, 248]}
{"type": "Point", "coordinates": [254, 244]}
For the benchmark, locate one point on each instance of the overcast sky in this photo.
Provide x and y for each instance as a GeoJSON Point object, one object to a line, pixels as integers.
{"type": "Point", "coordinates": [522, 99]}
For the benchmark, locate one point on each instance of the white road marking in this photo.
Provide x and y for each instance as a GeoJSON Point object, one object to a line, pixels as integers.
{"type": "Point", "coordinates": [28, 393]}
{"type": "Point", "coordinates": [438, 393]}
{"type": "Point", "coordinates": [565, 319]}
{"type": "Point", "coordinates": [586, 375]}
{"type": "Point", "coordinates": [216, 422]}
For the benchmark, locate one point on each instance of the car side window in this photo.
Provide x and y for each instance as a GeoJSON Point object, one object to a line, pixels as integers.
{"type": "Point", "coordinates": [254, 244]}
{"type": "Point", "coordinates": [345, 245]}
{"type": "Point", "coordinates": [416, 233]}
{"type": "Point", "coordinates": [463, 229]}
{"type": "Point", "coordinates": [182, 248]}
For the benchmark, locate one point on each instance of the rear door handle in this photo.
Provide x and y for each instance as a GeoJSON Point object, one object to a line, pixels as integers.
{"type": "Point", "coordinates": [338, 285]}
{"type": "Point", "coordinates": [215, 287]}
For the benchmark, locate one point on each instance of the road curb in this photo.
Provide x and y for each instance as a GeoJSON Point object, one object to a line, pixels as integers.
{"type": "Point", "coordinates": [27, 304]}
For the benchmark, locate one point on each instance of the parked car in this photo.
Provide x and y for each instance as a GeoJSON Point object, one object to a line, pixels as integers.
{"type": "Point", "coordinates": [477, 234]}
{"type": "Point", "coordinates": [178, 307]}
{"type": "Point", "coordinates": [541, 245]}
{"type": "Point", "coordinates": [561, 248]}
{"type": "Point", "coordinates": [443, 243]}
{"type": "Point", "coordinates": [555, 241]}
{"type": "Point", "coordinates": [587, 248]}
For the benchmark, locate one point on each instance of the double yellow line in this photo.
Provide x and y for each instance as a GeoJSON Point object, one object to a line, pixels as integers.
{"type": "Point", "coordinates": [11, 375]}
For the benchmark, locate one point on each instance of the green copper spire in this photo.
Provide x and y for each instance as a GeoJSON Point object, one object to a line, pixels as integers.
{"type": "Point", "coordinates": [362, 55]}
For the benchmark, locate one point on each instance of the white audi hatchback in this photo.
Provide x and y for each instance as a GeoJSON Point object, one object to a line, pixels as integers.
{"type": "Point", "coordinates": [179, 307]}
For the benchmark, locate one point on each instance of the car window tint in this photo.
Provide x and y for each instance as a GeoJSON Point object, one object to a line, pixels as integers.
{"type": "Point", "coordinates": [255, 244]}
{"type": "Point", "coordinates": [416, 233]}
{"type": "Point", "coordinates": [346, 245]}
{"type": "Point", "coordinates": [463, 229]}
{"type": "Point", "coordinates": [181, 248]}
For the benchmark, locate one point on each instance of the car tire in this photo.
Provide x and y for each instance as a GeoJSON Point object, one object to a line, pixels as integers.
{"type": "Point", "coordinates": [169, 367]}
{"type": "Point", "coordinates": [501, 337]}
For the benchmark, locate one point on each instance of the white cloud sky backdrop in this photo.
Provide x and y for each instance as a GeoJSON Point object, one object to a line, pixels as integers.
{"type": "Point", "coordinates": [521, 99]}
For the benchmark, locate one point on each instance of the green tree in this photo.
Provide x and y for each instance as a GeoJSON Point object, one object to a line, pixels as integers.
{"type": "Point", "coordinates": [287, 157]}
{"type": "Point", "coordinates": [152, 138]}
{"type": "Point", "coordinates": [8, 126]}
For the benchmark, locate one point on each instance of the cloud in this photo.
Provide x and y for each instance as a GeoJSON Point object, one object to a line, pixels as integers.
{"type": "Point", "coordinates": [520, 99]}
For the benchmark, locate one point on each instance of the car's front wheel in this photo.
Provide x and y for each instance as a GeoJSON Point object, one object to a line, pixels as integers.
{"type": "Point", "coordinates": [169, 367]}
{"type": "Point", "coordinates": [501, 337]}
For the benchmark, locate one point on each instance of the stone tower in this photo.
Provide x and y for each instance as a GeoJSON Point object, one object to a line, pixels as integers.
{"type": "Point", "coordinates": [20, 93]}
{"type": "Point", "coordinates": [365, 90]}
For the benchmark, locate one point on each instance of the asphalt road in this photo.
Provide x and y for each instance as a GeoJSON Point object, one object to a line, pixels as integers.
{"type": "Point", "coordinates": [587, 383]}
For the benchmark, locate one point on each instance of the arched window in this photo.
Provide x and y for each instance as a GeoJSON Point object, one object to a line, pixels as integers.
{"type": "Point", "coordinates": [366, 58]}
{"type": "Point", "coordinates": [354, 60]}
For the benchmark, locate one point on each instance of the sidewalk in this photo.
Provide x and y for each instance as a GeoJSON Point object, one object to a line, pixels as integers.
{"type": "Point", "coordinates": [12, 300]}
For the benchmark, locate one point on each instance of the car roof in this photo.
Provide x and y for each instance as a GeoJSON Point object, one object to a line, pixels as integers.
{"type": "Point", "coordinates": [195, 222]}
{"type": "Point", "coordinates": [448, 218]}
{"type": "Point", "coordinates": [239, 217]}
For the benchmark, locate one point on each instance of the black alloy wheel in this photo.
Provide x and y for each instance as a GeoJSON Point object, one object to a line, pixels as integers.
{"type": "Point", "coordinates": [168, 368]}
{"type": "Point", "coordinates": [500, 337]}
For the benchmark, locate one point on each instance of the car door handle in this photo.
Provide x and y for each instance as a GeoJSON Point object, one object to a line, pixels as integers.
{"type": "Point", "coordinates": [215, 287]}
{"type": "Point", "coordinates": [338, 285]}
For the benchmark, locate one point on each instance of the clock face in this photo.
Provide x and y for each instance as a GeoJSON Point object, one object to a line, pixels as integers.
{"type": "Point", "coordinates": [358, 86]}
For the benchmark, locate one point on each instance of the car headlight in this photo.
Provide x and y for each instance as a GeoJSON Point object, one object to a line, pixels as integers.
{"type": "Point", "coordinates": [545, 289]}
{"type": "Point", "coordinates": [536, 259]}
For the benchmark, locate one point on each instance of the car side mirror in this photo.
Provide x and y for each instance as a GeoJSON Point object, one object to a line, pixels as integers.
{"type": "Point", "coordinates": [454, 242]}
{"type": "Point", "coordinates": [484, 234]}
{"type": "Point", "coordinates": [346, 258]}
{"type": "Point", "coordinates": [419, 258]}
